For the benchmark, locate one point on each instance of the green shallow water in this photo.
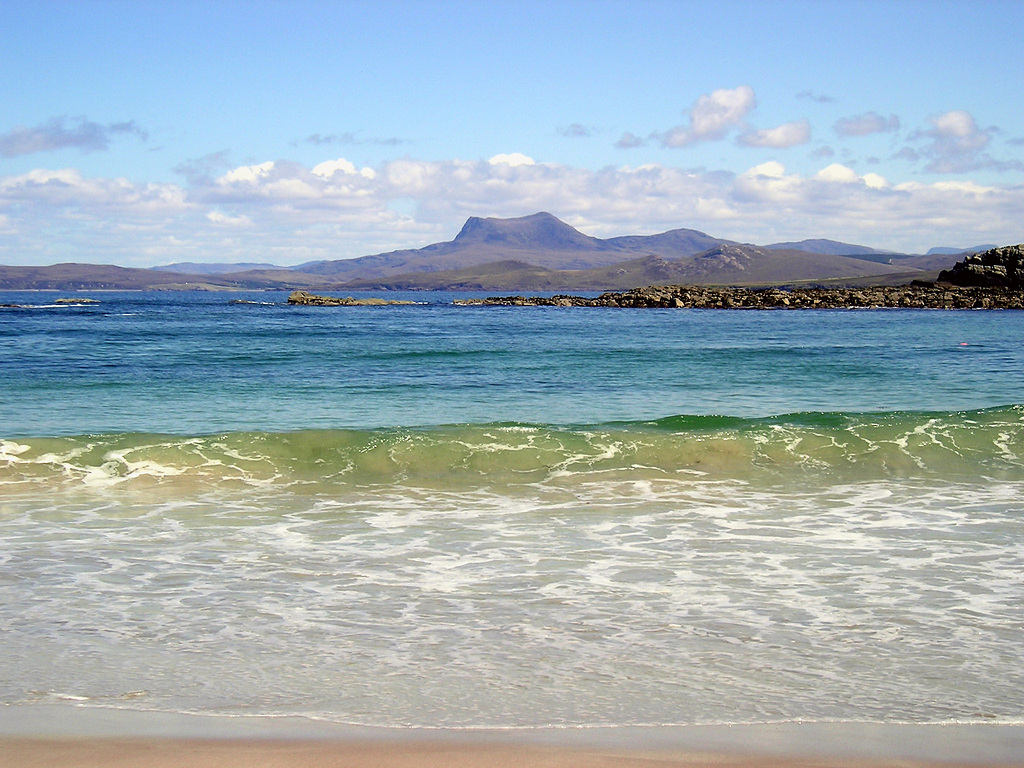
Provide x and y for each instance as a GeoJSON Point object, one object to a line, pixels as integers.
{"type": "Point", "coordinates": [777, 450]}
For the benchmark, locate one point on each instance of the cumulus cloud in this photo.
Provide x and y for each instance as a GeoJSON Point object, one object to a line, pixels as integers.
{"type": "Point", "coordinates": [55, 134]}
{"type": "Point", "coordinates": [67, 188]}
{"type": "Point", "coordinates": [712, 117]}
{"type": "Point", "coordinates": [866, 124]}
{"type": "Point", "coordinates": [248, 174]}
{"type": "Point", "coordinates": [781, 137]}
{"type": "Point", "coordinates": [955, 144]}
{"type": "Point", "coordinates": [330, 167]}
{"type": "Point", "coordinates": [838, 173]}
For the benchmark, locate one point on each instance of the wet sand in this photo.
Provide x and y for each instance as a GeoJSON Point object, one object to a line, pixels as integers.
{"type": "Point", "coordinates": [207, 753]}
{"type": "Point", "coordinates": [59, 736]}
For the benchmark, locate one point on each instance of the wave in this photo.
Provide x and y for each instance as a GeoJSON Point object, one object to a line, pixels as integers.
{"type": "Point", "coordinates": [790, 448]}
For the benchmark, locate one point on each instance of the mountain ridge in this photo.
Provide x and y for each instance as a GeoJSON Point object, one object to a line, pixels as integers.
{"type": "Point", "coordinates": [524, 251]}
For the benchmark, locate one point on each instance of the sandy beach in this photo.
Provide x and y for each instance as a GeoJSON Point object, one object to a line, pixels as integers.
{"type": "Point", "coordinates": [234, 753]}
{"type": "Point", "coordinates": [59, 736]}
{"type": "Point", "coordinates": [168, 753]}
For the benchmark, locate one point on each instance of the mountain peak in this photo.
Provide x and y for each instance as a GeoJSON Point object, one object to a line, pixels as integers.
{"type": "Point", "coordinates": [539, 231]}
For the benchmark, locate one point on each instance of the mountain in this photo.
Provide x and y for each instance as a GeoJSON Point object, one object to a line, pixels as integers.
{"type": "Point", "coordinates": [537, 252]}
{"type": "Point", "coordinates": [675, 244]}
{"type": "Point", "coordinates": [540, 239]}
{"type": "Point", "coordinates": [832, 248]}
{"type": "Point", "coordinates": [538, 232]}
{"type": "Point", "coordinates": [722, 265]}
{"type": "Point", "coordinates": [943, 251]}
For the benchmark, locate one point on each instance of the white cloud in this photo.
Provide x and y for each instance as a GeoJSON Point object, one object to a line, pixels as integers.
{"type": "Point", "coordinates": [513, 159]}
{"type": "Point", "coordinates": [838, 173]}
{"type": "Point", "coordinates": [781, 137]}
{"type": "Point", "coordinates": [64, 190]}
{"type": "Point", "coordinates": [287, 213]}
{"type": "Point", "coordinates": [329, 167]}
{"type": "Point", "coordinates": [772, 170]}
{"type": "Point", "coordinates": [713, 114]}
{"type": "Point", "coordinates": [875, 181]}
{"type": "Point", "coordinates": [248, 174]}
{"type": "Point", "coordinates": [954, 144]}
{"type": "Point", "coordinates": [712, 117]}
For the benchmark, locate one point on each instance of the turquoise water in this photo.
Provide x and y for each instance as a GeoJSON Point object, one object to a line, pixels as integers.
{"type": "Point", "coordinates": [483, 516]}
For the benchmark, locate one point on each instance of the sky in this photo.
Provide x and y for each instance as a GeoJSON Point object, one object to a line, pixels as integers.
{"type": "Point", "coordinates": [147, 132]}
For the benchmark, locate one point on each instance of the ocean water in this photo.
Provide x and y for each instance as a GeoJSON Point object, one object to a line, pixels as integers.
{"type": "Point", "coordinates": [466, 517]}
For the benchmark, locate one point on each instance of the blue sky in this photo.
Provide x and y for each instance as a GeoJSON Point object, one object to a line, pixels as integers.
{"type": "Point", "coordinates": [148, 132]}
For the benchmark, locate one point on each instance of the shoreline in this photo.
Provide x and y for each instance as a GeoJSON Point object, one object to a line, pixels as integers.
{"type": "Point", "coordinates": [55, 735]}
{"type": "Point", "coordinates": [914, 296]}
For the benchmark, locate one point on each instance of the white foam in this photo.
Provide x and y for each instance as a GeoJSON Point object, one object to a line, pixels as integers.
{"type": "Point", "coordinates": [662, 598]}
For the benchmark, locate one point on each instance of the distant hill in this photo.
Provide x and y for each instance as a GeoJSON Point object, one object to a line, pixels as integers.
{"type": "Point", "coordinates": [105, 277]}
{"type": "Point", "coordinates": [943, 251]}
{"type": "Point", "coordinates": [66, 277]}
{"type": "Point", "coordinates": [929, 262]}
{"type": "Point", "coordinates": [722, 265]}
{"type": "Point", "coordinates": [831, 248]}
{"type": "Point", "coordinates": [199, 268]}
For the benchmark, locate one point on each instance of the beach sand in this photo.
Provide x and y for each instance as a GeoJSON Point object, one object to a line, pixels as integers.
{"type": "Point", "coordinates": [212, 753]}
{"type": "Point", "coordinates": [58, 736]}
{"type": "Point", "coordinates": [234, 753]}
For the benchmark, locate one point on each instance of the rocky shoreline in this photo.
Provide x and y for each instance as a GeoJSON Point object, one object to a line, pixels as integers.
{"type": "Point", "coordinates": [915, 296]}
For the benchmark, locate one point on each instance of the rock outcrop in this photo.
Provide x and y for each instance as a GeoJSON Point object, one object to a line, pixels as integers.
{"type": "Point", "coordinates": [312, 300]}
{"type": "Point", "coordinates": [999, 267]}
{"type": "Point", "coordinates": [916, 296]}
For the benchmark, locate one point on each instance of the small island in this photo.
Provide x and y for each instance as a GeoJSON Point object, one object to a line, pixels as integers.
{"type": "Point", "coordinates": [306, 299]}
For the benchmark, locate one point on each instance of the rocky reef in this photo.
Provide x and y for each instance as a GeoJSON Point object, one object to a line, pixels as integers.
{"type": "Point", "coordinates": [312, 300]}
{"type": "Point", "coordinates": [915, 296]}
{"type": "Point", "coordinates": [999, 267]}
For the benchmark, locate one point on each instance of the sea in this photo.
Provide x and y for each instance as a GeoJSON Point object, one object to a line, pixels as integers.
{"type": "Point", "coordinates": [431, 515]}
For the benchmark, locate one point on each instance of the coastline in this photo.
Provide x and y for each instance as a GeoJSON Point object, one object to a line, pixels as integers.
{"type": "Point", "coordinates": [58, 735]}
{"type": "Point", "coordinates": [915, 296]}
